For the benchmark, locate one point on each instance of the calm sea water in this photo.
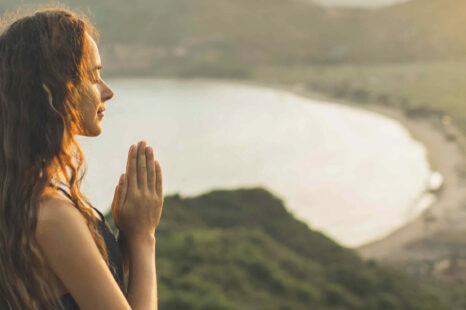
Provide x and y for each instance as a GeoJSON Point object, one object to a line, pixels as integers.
{"type": "Point", "coordinates": [353, 174]}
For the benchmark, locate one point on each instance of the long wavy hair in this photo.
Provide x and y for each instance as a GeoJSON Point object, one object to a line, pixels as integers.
{"type": "Point", "coordinates": [43, 61]}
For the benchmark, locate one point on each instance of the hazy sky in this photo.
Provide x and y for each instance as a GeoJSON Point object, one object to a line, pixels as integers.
{"type": "Point", "coordinates": [368, 3]}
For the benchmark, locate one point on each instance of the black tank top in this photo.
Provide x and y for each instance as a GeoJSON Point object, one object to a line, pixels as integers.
{"type": "Point", "coordinates": [114, 256]}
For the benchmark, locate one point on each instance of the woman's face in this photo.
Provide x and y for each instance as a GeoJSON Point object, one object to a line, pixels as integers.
{"type": "Point", "coordinates": [94, 93]}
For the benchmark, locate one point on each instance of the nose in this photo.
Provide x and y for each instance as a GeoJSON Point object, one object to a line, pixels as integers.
{"type": "Point", "coordinates": [107, 94]}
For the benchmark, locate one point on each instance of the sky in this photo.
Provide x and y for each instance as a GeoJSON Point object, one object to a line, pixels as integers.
{"type": "Point", "coordinates": [359, 3]}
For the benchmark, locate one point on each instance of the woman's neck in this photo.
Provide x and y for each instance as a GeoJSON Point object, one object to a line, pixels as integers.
{"type": "Point", "coordinates": [58, 177]}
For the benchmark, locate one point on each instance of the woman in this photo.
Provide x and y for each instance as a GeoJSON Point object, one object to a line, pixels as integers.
{"type": "Point", "coordinates": [56, 250]}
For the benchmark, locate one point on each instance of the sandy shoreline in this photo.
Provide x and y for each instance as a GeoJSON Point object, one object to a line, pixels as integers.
{"type": "Point", "coordinates": [444, 155]}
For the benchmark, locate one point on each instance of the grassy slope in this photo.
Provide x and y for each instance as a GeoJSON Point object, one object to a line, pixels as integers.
{"type": "Point", "coordinates": [242, 250]}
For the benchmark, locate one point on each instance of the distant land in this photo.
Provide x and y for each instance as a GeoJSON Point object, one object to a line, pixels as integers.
{"type": "Point", "coordinates": [359, 3]}
{"type": "Point", "coordinates": [228, 37]}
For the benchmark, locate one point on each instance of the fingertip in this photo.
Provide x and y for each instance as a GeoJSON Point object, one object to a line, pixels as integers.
{"type": "Point", "coordinates": [122, 179]}
{"type": "Point", "coordinates": [149, 151]}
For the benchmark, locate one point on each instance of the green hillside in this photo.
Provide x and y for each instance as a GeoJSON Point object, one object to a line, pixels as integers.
{"type": "Point", "coordinates": [418, 30]}
{"type": "Point", "coordinates": [241, 249]}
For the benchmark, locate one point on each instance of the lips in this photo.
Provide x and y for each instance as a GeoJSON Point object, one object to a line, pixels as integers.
{"type": "Point", "coordinates": [100, 112]}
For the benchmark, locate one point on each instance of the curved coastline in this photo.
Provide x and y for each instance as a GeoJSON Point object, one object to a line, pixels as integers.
{"type": "Point", "coordinates": [445, 147]}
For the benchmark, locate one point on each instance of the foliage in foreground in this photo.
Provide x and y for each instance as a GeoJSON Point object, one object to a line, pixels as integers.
{"type": "Point", "coordinates": [241, 249]}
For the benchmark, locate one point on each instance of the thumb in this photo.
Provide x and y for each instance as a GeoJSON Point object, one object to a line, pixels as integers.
{"type": "Point", "coordinates": [119, 198]}
{"type": "Point", "coordinates": [122, 187]}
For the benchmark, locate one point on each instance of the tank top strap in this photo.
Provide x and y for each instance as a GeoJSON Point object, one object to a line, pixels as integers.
{"type": "Point", "coordinates": [100, 213]}
{"type": "Point", "coordinates": [64, 192]}
{"type": "Point", "coordinates": [69, 196]}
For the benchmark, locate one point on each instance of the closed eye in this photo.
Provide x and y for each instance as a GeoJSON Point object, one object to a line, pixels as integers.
{"type": "Point", "coordinates": [95, 73]}
{"type": "Point", "coordinates": [97, 79]}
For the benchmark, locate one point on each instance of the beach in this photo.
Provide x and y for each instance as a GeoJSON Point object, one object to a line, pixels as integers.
{"type": "Point", "coordinates": [444, 222]}
{"type": "Point", "coordinates": [426, 237]}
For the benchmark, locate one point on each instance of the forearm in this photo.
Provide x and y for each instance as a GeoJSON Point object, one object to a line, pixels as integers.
{"type": "Point", "coordinates": [142, 284]}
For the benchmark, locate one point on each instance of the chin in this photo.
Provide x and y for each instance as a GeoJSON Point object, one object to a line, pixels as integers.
{"type": "Point", "coordinates": [92, 132]}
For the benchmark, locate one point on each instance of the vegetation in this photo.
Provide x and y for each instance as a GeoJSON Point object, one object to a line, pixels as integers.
{"type": "Point", "coordinates": [241, 249]}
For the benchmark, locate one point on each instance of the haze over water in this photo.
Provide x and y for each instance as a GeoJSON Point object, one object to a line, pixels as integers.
{"type": "Point", "coordinates": [350, 173]}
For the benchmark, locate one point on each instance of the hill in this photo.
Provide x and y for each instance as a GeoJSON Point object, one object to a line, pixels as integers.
{"type": "Point", "coordinates": [241, 249]}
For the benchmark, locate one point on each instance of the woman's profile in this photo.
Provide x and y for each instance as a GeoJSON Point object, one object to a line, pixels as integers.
{"type": "Point", "coordinates": [56, 249]}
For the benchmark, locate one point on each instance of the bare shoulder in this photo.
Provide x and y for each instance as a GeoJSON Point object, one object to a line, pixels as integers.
{"type": "Point", "coordinates": [52, 204]}
{"type": "Point", "coordinates": [70, 251]}
{"type": "Point", "coordinates": [54, 207]}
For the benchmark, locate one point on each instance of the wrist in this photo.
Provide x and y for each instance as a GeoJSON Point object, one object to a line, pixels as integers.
{"type": "Point", "coordinates": [140, 241]}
